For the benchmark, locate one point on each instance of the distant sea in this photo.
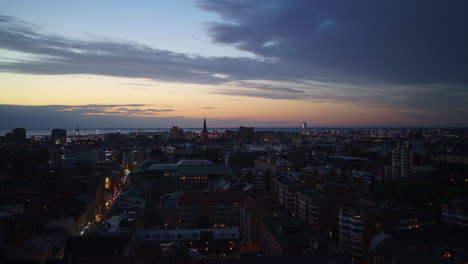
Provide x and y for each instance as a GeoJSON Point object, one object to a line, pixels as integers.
{"type": "Point", "coordinates": [94, 131]}
{"type": "Point", "coordinates": [89, 131]}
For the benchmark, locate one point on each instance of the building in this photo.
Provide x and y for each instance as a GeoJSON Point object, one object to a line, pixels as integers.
{"type": "Point", "coordinates": [359, 223]}
{"type": "Point", "coordinates": [102, 156]}
{"type": "Point", "coordinates": [17, 136]}
{"type": "Point", "coordinates": [305, 259]}
{"type": "Point", "coordinates": [455, 213]}
{"type": "Point", "coordinates": [98, 249]}
{"type": "Point", "coordinates": [405, 157]}
{"type": "Point", "coordinates": [255, 206]}
{"type": "Point", "coordinates": [317, 210]}
{"type": "Point", "coordinates": [204, 132]}
{"type": "Point", "coordinates": [207, 242]}
{"type": "Point", "coordinates": [176, 133]}
{"type": "Point", "coordinates": [186, 175]}
{"type": "Point", "coordinates": [280, 236]}
{"type": "Point", "coordinates": [311, 176]}
{"type": "Point", "coordinates": [260, 178]}
{"type": "Point", "coordinates": [58, 136]}
{"type": "Point", "coordinates": [304, 128]}
{"type": "Point", "coordinates": [209, 209]}
{"type": "Point", "coordinates": [420, 246]}
{"type": "Point", "coordinates": [286, 194]}
{"type": "Point", "coordinates": [246, 132]}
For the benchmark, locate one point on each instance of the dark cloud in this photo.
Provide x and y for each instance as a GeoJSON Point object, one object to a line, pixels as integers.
{"type": "Point", "coordinates": [362, 41]}
{"type": "Point", "coordinates": [91, 106]}
{"type": "Point", "coordinates": [60, 55]}
{"type": "Point", "coordinates": [266, 95]}
{"type": "Point", "coordinates": [267, 87]}
{"type": "Point", "coordinates": [125, 110]}
{"type": "Point", "coordinates": [49, 116]}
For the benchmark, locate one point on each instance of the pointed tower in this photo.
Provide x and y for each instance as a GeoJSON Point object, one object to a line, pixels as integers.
{"type": "Point", "coordinates": [204, 132]}
{"type": "Point", "coordinates": [77, 131]}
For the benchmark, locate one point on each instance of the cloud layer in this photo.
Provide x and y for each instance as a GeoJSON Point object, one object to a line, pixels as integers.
{"type": "Point", "coordinates": [362, 41]}
{"type": "Point", "coordinates": [107, 116]}
{"type": "Point", "coordinates": [398, 54]}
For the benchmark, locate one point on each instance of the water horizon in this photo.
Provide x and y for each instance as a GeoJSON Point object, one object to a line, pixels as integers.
{"type": "Point", "coordinates": [95, 131]}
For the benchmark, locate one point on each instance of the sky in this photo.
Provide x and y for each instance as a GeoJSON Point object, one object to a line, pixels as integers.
{"type": "Point", "coordinates": [264, 63]}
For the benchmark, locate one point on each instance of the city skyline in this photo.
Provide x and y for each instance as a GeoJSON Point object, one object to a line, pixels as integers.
{"type": "Point", "coordinates": [263, 63]}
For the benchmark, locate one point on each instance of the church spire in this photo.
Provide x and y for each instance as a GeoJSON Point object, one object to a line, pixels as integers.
{"type": "Point", "coordinates": [204, 132]}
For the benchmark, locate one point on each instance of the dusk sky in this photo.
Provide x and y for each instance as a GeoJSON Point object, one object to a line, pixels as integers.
{"type": "Point", "coordinates": [150, 64]}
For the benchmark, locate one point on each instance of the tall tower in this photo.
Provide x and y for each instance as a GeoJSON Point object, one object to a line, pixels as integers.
{"type": "Point", "coordinates": [304, 128]}
{"type": "Point", "coordinates": [204, 132]}
{"type": "Point", "coordinates": [77, 131]}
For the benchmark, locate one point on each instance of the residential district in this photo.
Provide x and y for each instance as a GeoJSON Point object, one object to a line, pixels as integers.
{"type": "Point", "coordinates": [357, 195]}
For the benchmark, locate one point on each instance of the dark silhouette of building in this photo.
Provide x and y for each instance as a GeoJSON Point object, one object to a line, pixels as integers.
{"type": "Point", "coordinates": [176, 132]}
{"type": "Point", "coordinates": [58, 136]}
{"type": "Point", "coordinates": [17, 135]}
{"type": "Point", "coordinates": [204, 132]}
{"type": "Point", "coordinates": [260, 178]}
{"type": "Point", "coordinates": [420, 246]}
{"type": "Point", "coordinates": [246, 132]}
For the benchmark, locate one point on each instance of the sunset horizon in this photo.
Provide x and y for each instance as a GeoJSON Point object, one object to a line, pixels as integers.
{"type": "Point", "coordinates": [236, 62]}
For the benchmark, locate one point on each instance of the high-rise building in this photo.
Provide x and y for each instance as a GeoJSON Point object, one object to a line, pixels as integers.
{"type": "Point", "coordinates": [204, 132]}
{"type": "Point", "coordinates": [77, 131]}
{"type": "Point", "coordinates": [176, 132]}
{"type": "Point", "coordinates": [246, 132]}
{"type": "Point", "coordinates": [405, 157]}
{"type": "Point", "coordinates": [58, 136]}
{"type": "Point", "coordinates": [17, 135]}
{"type": "Point", "coordinates": [359, 223]}
{"type": "Point", "coordinates": [304, 128]}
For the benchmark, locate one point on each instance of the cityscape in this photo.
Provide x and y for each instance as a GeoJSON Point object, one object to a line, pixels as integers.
{"type": "Point", "coordinates": [233, 131]}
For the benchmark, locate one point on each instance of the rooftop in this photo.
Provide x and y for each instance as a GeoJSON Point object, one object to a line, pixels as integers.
{"type": "Point", "coordinates": [207, 197]}
{"type": "Point", "coordinates": [194, 162]}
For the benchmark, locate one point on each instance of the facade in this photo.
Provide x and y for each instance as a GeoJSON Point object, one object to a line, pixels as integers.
{"type": "Point", "coordinates": [279, 236]}
{"type": "Point", "coordinates": [431, 246]}
{"type": "Point", "coordinates": [317, 210]}
{"type": "Point", "coordinates": [186, 175]}
{"type": "Point", "coordinates": [406, 156]}
{"type": "Point", "coordinates": [209, 209]}
{"type": "Point", "coordinates": [286, 194]}
{"type": "Point", "coordinates": [260, 178]}
{"type": "Point", "coordinates": [311, 176]}
{"type": "Point", "coordinates": [359, 223]}
{"type": "Point", "coordinates": [207, 242]}
{"type": "Point", "coordinates": [176, 132]}
{"type": "Point", "coordinates": [246, 132]}
{"type": "Point", "coordinates": [255, 206]}
{"type": "Point", "coordinates": [58, 136]}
